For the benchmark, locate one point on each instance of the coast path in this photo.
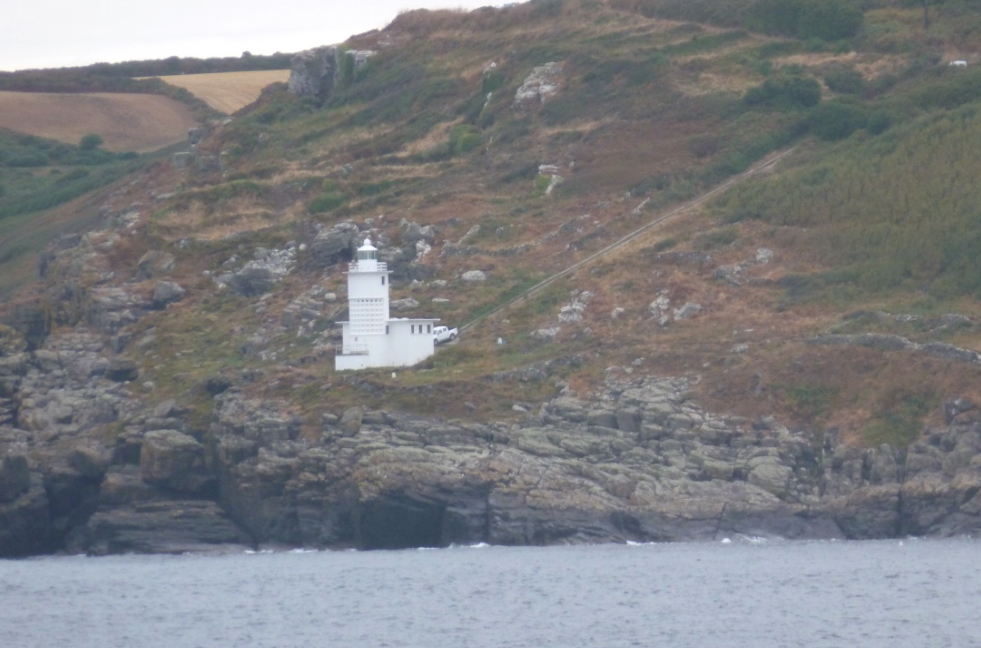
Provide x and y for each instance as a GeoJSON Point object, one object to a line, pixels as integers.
{"type": "Point", "coordinates": [661, 218]}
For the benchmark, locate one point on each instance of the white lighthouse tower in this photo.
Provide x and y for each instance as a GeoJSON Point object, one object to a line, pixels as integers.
{"type": "Point", "coordinates": [371, 338]}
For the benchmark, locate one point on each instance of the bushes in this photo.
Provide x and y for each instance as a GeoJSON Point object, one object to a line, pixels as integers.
{"type": "Point", "coordinates": [330, 198]}
{"type": "Point", "coordinates": [716, 238]}
{"type": "Point", "coordinates": [894, 210]}
{"type": "Point", "coordinates": [27, 192]}
{"type": "Point", "coordinates": [955, 87]}
{"type": "Point", "coordinates": [785, 92]}
{"type": "Point", "coordinates": [464, 138]}
{"type": "Point", "coordinates": [879, 122]}
{"type": "Point", "coordinates": [829, 20]}
{"type": "Point", "coordinates": [90, 141]}
{"type": "Point", "coordinates": [492, 81]}
{"type": "Point", "coordinates": [845, 81]}
{"type": "Point", "coordinates": [836, 120]}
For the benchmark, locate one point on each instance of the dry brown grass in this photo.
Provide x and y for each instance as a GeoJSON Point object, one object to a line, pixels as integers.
{"type": "Point", "coordinates": [126, 122]}
{"type": "Point", "coordinates": [227, 92]}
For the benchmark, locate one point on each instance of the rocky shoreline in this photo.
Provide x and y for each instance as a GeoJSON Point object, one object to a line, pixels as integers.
{"type": "Point", "coordinates": [639, 461]}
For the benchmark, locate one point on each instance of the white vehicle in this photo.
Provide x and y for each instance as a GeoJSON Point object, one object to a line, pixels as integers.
{"type": "Point", "coordinates": [444, 334]}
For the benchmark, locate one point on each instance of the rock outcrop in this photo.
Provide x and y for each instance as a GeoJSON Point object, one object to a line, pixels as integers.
{"type": "Point", "coordinates": [89, 465]}
{"type": "Point", "coordinates": [541, 85]}
{"type": "Point", "coordinates": [314, 72]}
{"type": "Point", "coordinates": [640, 461]}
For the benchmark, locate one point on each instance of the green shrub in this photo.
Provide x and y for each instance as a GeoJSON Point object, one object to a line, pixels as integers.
{"type": "Point", "coordinates": [716, 238]}
{"type": "Point", "coordinates": [953, 88]}
{"type": "Point", "coordinates": [664, 244]}
{"type": "Point", "coordinates": [785, 92]}
{"type": "Point", "coordinates": [836, 120]}
{"type": "Point", "coordinates": [326, 202]}
{"type": "Point", "coordinates": [899, 416]}
{"type": "Point", "coordinates": [879, 122]}
{"type": "Point", "coordinates": [464, 138]}
{"type": "Point", "coordinates": [492, 81]}
{"type": "Point", "coordinates": [541, 184]}
{"type": "Point", "coordinates": [828, 20]}
{"type": "Point", "coordinates": [25, 159]}
{"type": "Point", "coordinates": [774, 16]}
{"type": "Point", "coordinates": [347, 69]}
{"type": "Point", "coordinates": [845, 81]}
{"type": "Point", "coordinates": [90, 141]}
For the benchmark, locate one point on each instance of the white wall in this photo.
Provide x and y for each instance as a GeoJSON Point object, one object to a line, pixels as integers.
{"type": "Point", "coordinates": [401, 347]}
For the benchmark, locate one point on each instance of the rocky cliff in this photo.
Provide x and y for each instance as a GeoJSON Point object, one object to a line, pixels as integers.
{"type": "Point", "coordinates": [637, 460]}
{"type": "Point", "coordinates": [696, 358]}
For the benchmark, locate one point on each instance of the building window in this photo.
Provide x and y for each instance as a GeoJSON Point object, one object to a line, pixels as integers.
{"type": "Point", "coordinates": [383, 281]}
{"type": "Point", "coordinates": [413, 329]}
{"type": "Point", "coordinates": [429, 328]}
{"type": "Point", "coordinates": [386, 329]}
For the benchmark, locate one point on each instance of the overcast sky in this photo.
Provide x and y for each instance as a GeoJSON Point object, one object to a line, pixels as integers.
{"type": "Point", "coordinates": [65, 33]}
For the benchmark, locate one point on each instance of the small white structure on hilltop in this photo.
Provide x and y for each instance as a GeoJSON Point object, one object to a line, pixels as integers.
{"type": "Point", "coordinates": [371, 338]}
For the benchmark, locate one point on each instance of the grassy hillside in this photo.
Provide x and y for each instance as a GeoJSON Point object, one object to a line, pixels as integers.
{"type": "Point", "coordinates": [866, 227]}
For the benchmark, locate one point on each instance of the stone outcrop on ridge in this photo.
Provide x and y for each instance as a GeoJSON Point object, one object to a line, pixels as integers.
{"type": "Point", "coordinates": [639, 461]}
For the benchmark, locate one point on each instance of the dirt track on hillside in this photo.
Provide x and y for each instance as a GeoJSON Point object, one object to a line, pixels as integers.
{"type": "Point", "coordinates": [227, 91]}
{"type": "Point", "coordinates": [661, 218]}
{"type": "Point", "coordinates": [126, 122]}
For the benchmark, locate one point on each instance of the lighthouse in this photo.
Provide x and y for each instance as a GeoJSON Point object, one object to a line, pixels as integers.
{"type": "Point", "coordinates": [371, 338]}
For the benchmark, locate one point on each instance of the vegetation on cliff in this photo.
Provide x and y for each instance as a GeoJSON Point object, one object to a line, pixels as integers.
{"type": "Point", "coordinates": [655, 102]}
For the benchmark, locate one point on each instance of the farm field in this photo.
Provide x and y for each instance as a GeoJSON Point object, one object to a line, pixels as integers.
{"type": "Point", "coordinates": [126, 122]}
{"type": "Point", "coordinates": [227, 92]}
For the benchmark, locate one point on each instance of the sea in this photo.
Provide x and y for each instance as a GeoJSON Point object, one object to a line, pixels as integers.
{"type": "Point", "coordinates": [742, 592]}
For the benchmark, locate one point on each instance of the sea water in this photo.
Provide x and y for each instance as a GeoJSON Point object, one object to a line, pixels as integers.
{"type": "Point", "coordinates": [742, 593]}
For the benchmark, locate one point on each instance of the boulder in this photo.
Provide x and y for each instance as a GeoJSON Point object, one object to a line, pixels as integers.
{"type": "Point", "coordinates": [414, 232]}
{"type": "Point", "coordinates": [474, 275]}
{"type": "Point", "coordinates": [405, 304]}
{"type": "Point", "coordinates": [154, 264]}
{"type": "Point", "coordinates": [541, 85]}
{"type": "Point", "coordinates": [174, 460]}
{"type": "Point", "coordinates": [217, 385]}
{"type": "Point", "coordinates": [90, 461]}
{"type": "Point", "coordinates": [688, 311]}
{"type": "Point", "coordinates": [351, 420]}
{"type": "Point", "coordinates": [253, 280]}
{"type": "Point", "coordinates": [122, 370]}
{"type": "Point", "coordinates": [11, 342]}
{"type": "Point", "coordinates": [334, 244]}
{"type": "Point", "coordinates": [167, 292]}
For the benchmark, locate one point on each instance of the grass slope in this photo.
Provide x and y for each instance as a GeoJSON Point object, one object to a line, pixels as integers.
{"type": "Point", "coordinates": [869, 224]}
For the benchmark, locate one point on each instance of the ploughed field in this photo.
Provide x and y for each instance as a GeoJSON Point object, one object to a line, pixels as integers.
{"type": "Point", "coordinates": [126, 122]}
{"type": "Point", "coordinates": [227, 92]}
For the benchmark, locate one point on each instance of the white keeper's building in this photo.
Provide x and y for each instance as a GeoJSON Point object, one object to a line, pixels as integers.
{"type": "Point", "coordinates": [371, 338]}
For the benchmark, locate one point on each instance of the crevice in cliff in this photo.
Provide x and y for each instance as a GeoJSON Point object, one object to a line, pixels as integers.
{"type": "Point", "coordinates": [397, 521]}
{"type": "Point", "coordinates": [901, 529]}
{"type": "Point", "coordinates": [720, 519]}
